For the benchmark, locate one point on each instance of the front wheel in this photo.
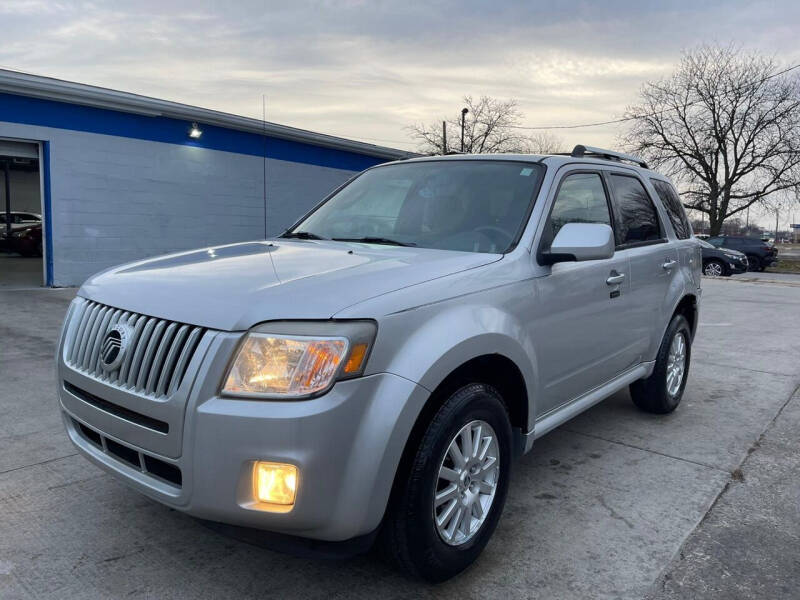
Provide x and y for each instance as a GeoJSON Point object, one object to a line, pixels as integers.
{"type": "Point", "coordinates": [662, 391]}
{"type": "Point", "coordinates": [442, 516]}
{"type": "Point", "coordinates": [713, 268]}
{"type": "Point", "coordinates": [753, 263]}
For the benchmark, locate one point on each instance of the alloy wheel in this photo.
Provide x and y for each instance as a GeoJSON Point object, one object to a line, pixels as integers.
{"type": "Point", "coordinates": [676, 364]}
{"type": "Point", "coordinates": [466, 483]}
{"type": "Point", "coordinates": [713, 269]}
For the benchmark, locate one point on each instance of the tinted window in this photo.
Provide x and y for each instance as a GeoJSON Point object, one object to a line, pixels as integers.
{"type": "Point", "coordinates": [672, 202]}
{"type": "Point", "coordinates": [467, 205]}
{"type": "Point", "coordinates": [581, 199]}
{"type": "Point", "coordinates": [637, 220]}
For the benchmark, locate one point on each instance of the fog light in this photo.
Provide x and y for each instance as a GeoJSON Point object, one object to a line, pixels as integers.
{"type": "Point", "coordinates": [275, 484]}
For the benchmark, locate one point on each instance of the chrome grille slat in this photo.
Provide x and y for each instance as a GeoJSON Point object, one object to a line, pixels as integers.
{"type": "Point", "coordinates": [96, 336]}
{"type": "Point", "coordinates": [87, 336]}
{"type": "Point", "coordinates": [149, 354]}
{"type": "Point", "coordinates": [140, 349]}
{"type": "Point", "coordinates": [161, 353]}
{"type": "Point", "coordinates": [138, 326]}
{"type": "Point", "coordinates": [158, 352]}
{"type": "Point", "coordinates": [169, 361]}
{"type": "Point", "coordinates": [76, 335]}
{"type": "Point", "coordinates": [183, 361]}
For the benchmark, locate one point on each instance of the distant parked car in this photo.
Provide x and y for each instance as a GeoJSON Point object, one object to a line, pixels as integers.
{"type": "Point", "coordinates": [26, 240]}
{"type": "Point", "coordinates": [20, 219]}
{"type": "Point", "coordinates": [760, 254]}
{"type": "Point", "coordinates": [722, 262]}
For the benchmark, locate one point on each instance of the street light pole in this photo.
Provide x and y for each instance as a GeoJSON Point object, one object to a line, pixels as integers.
{"type": "Point", "coordinates": [464, 112]}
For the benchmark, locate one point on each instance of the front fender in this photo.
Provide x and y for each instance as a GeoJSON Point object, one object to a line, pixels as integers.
{"type": "Point", "coordinates": [428, 343]}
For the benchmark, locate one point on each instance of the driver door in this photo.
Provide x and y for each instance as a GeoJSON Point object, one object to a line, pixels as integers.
{"type": "Point", "coordinates": [580, 328]}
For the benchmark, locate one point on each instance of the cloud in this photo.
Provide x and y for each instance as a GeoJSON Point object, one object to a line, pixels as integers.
{"type": "Point", "coordinates": [367, 69]}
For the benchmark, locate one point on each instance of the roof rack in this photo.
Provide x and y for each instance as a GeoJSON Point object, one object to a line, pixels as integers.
{"type": "Point", "coordinates": [581, 151]}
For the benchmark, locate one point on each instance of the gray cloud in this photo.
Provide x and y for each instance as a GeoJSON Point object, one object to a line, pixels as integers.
{"type": "Point", "coordinates": [366, 69]}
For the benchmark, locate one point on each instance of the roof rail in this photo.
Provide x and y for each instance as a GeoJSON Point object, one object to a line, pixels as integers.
{"type": "Point", "coordinates": [581, 151]}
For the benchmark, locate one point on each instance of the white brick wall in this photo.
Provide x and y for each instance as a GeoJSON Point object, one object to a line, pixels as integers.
{"type": "Point", "coordinates": [117, 199]}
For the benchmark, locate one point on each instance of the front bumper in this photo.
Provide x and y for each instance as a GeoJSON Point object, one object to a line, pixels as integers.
{"type": "Point", "coordinates": [735, 267]}
{"type": "Point", "coordinates": [346, 444]}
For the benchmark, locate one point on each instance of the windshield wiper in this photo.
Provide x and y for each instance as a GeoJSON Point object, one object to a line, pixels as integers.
{"type": "Point", "coordinates": [303, 235]}
{"type": "Point", "coordinates": [374, 240]}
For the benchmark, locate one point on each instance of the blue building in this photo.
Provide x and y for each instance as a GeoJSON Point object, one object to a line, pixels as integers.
{"type": "Point", "coordinates": [118, 176]}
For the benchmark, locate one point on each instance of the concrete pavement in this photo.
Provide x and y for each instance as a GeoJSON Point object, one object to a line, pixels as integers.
{"type": "Point", "coordinates": [614, 504]}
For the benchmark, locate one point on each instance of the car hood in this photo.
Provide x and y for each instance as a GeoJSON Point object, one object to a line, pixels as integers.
{"type": "Point", "coordinates": [234, 287]}
{"type": "Point", "coordinates": [732, 251]}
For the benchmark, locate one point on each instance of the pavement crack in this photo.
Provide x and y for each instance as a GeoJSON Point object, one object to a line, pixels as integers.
{"type": "Point", "coordinates": [614, 514]}
{"type": "Point", "coordinates": [650, 450]}
{"type": "Point", "coordinates": [41, 462]}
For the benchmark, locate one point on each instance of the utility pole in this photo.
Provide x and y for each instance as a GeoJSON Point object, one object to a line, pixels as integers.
{"type": "Point", "coordinates": [777, 212]}
{"type": "Point", "coordinates": [464, 112]}
{"type": "Point", "coordinates": [444, 137]}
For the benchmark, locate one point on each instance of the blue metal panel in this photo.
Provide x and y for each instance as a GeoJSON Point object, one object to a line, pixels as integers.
{"type": "Point", "coordinates": [62, 115]}
{"type": "Point", "coordinates": [44, 165]}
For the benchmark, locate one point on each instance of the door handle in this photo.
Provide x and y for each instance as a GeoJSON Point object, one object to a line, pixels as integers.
{"type": "Point", "coordinates": [616, 279]}
{"type": "Point", "coordinates": [669, 264]}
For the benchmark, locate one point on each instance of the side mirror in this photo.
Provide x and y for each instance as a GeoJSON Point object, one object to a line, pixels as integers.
{"type": "Point", "coordinates": [579, 242]}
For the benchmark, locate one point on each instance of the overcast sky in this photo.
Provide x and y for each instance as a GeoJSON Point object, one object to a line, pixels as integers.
{"type": "Point", "coordinates": [367, 69]}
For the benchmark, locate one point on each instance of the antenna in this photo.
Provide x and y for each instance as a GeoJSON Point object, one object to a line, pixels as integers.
{"type": "Point", "coordinates": [264, 125]}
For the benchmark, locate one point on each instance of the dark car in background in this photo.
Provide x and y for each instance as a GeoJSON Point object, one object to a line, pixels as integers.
{"type": "Point", "coordinates": [722, 262]}
{"type": "Point", "coordinates": [25, 240]}
{"type": "Point", "coordinates": [760, 255]}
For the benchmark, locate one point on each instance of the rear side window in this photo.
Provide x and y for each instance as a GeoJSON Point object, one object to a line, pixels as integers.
{"type": "Point", "coordinates": [637, 219]}
{"type": "Point", "coordinates": [581, 199]}
{"type": "Point", "coordinates": [672, 202]}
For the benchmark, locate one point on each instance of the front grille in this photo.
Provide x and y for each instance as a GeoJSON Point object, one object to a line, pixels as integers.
{"type": "Point", "coordinates": [147, 464]}
{"type": "Point", "coordinates": [157, 354]}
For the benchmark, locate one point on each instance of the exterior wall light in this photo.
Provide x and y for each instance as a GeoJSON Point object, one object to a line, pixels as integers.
{"type": "Point", "coordinates": [195, 132]}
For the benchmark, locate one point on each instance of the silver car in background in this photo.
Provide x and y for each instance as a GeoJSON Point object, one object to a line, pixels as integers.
{"type": "Point", "coordinates": [374, 372]}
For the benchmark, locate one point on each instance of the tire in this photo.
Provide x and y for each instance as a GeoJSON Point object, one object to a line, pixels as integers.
{"type": "Point", "coordinates": [410, 537]}
{"type": "Point", "coordinates": [658, 393]}
{"type": "Point", "coordinates": [714, 268]}
{"type": "Point", "coordinates": [754, 263]}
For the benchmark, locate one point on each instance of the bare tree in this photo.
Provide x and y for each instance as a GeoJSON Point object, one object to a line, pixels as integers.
{"type": "Point", "coordinates": [489, 128]}
{"type": "Point", "coordinates": [726, 126]}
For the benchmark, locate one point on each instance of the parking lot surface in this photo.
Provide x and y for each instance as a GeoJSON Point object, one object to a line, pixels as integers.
{"type": "Point", "coordinates": [614, 504]}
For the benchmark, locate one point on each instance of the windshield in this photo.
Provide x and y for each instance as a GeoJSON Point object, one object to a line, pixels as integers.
{"type": "Point", "coordinates": [466, 205]}
{"type": "Point", "coordinates": [705, 244]}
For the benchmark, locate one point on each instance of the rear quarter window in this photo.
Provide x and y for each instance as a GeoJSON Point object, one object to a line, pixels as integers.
{"type": "Point", "coordinates": [672, 203]}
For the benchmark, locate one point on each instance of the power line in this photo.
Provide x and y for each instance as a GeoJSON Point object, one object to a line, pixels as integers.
{"type": "Point", "coordinates": [625, 119]}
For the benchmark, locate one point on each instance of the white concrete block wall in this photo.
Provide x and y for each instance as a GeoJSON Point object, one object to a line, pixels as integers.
{"type": "Point", "coordinates": [117, 199]}
{"type": "Point", "coordinates": [295, 188]}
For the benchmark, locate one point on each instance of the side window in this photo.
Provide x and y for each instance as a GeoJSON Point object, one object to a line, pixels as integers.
{"type": "Point", "coordinates": [581, 199]}
{"type": "Point", "coordinates": [672, 202]}
{"type": "Point", "coordinates": [637, 219]}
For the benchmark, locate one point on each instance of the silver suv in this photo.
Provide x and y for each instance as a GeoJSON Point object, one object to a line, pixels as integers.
{"type": "Point", "coordinates": [374, 372]}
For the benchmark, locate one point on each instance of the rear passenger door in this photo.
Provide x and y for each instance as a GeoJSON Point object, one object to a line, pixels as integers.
{"type": "Point", "coordinates": [689, 252]}
{"type": "Point", "coordinates": [653, 262]}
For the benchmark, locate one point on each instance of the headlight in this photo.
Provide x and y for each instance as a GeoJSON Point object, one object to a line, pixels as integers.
{"type": "Point", "coordinates": [732, 256]}
{"type": "Point", "coordinates": [292, 360]}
